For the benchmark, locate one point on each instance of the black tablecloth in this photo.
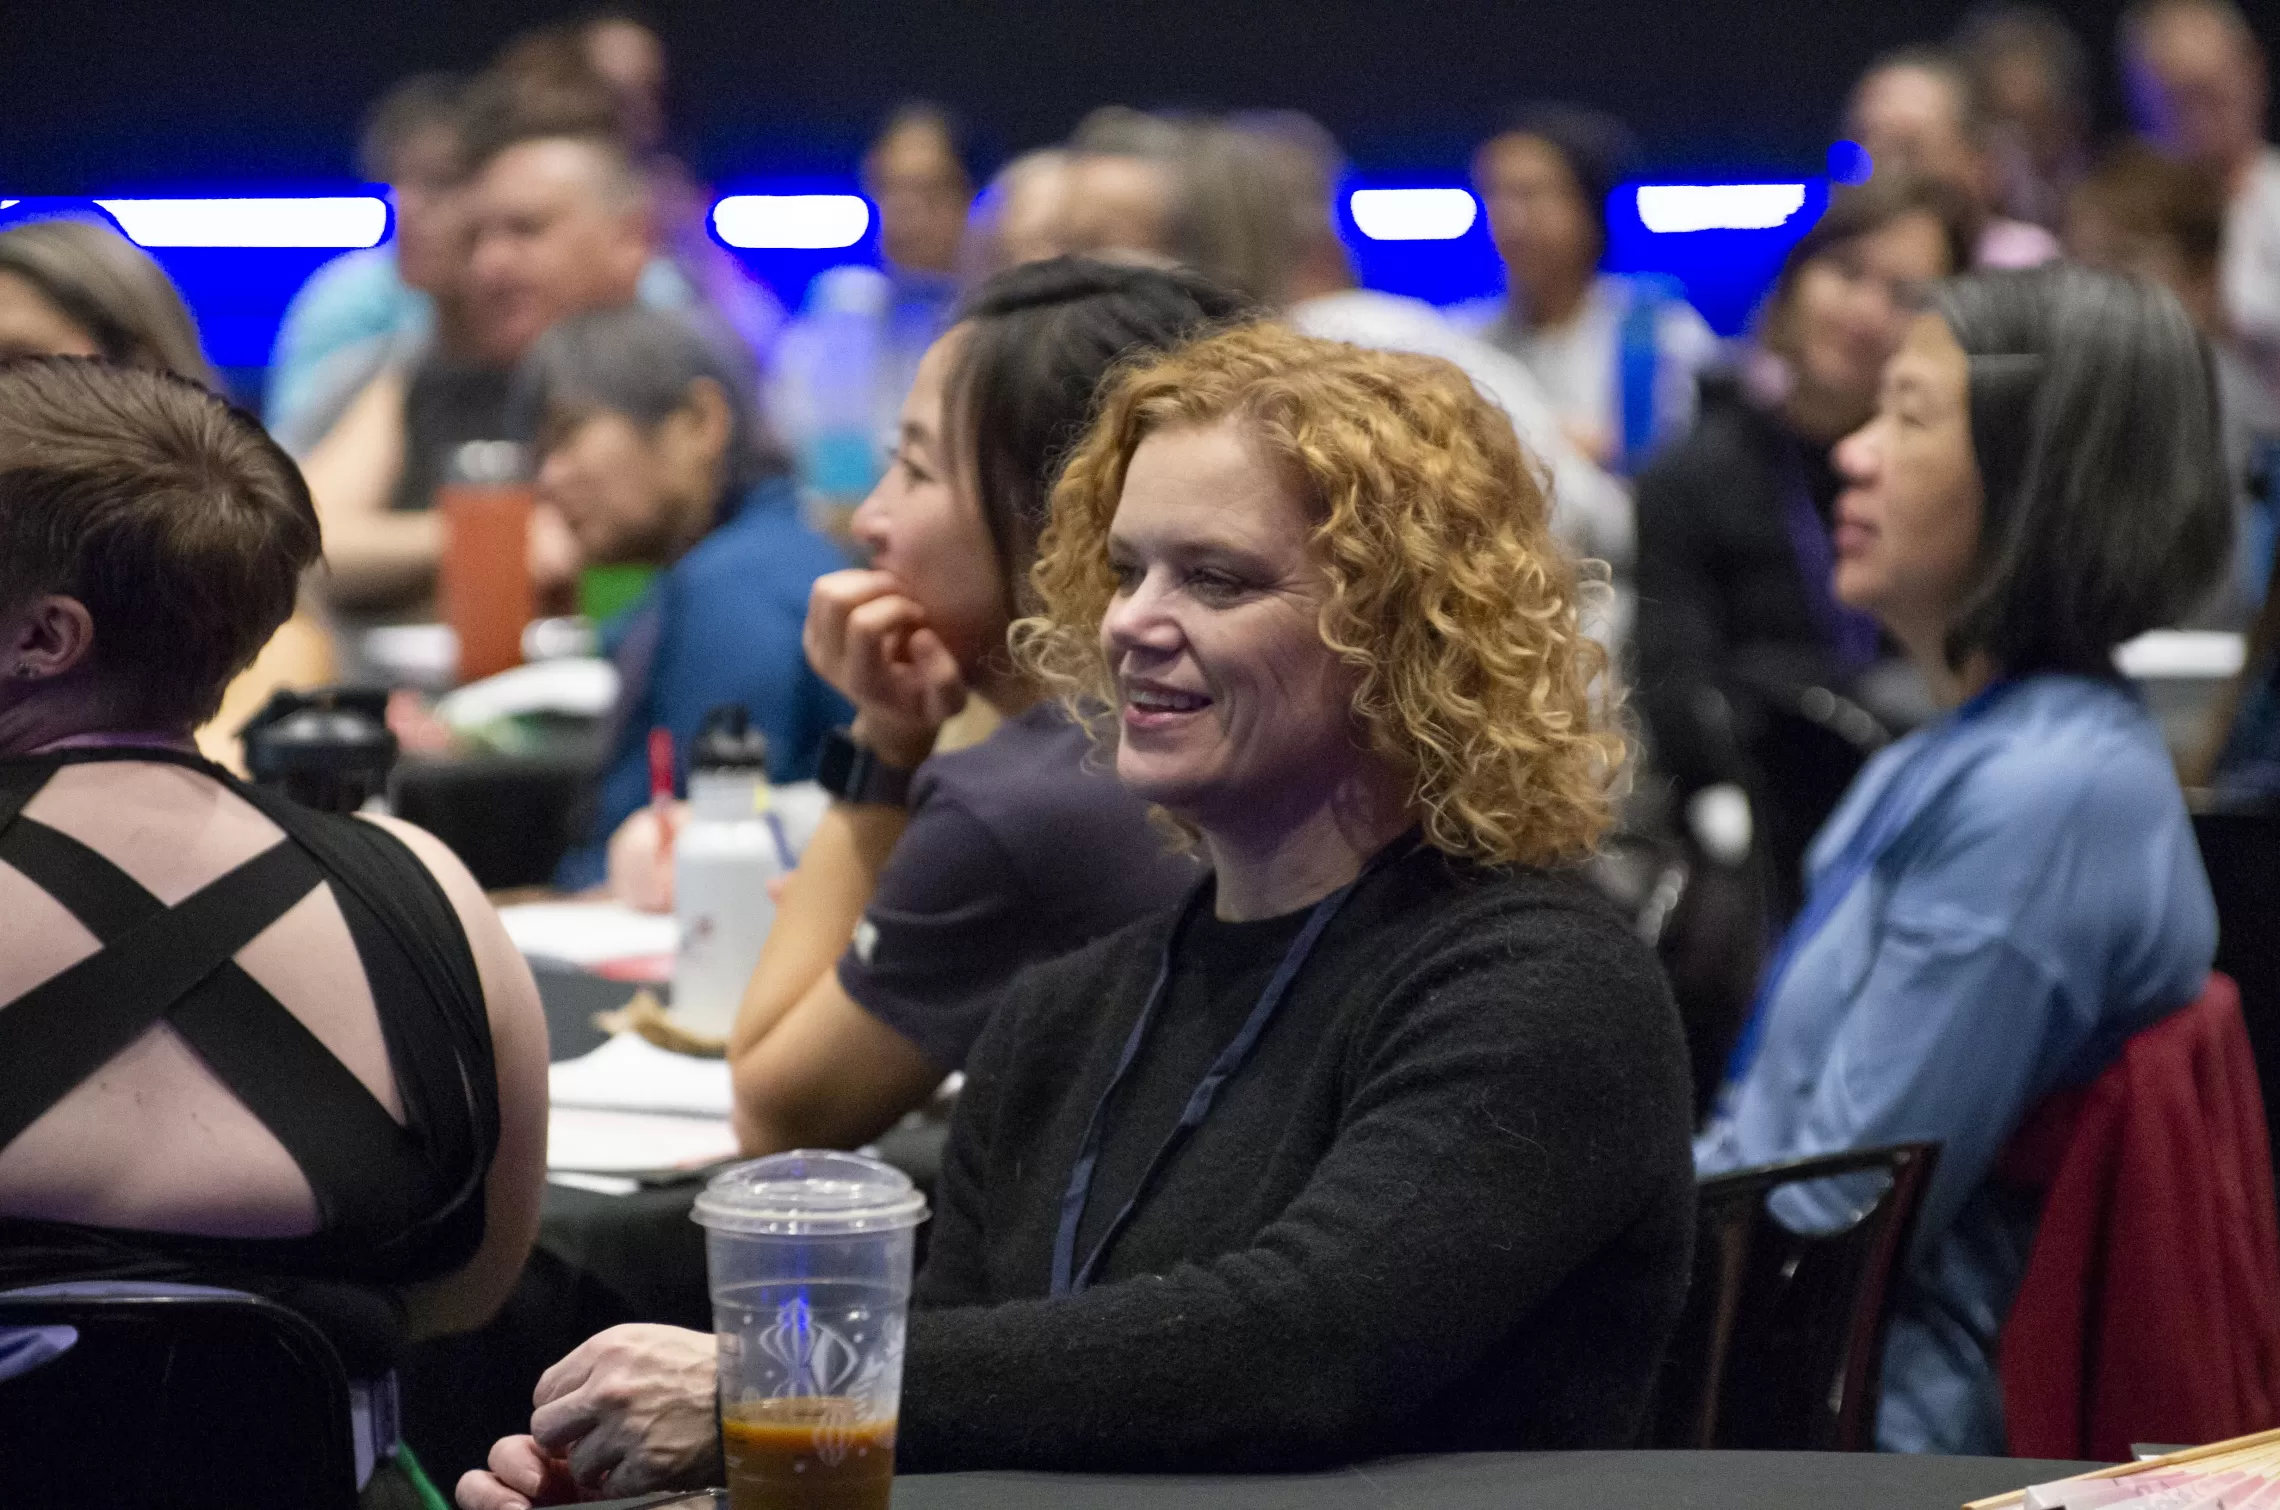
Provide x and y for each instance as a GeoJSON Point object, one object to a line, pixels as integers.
{"type": "Point", "coordinates": [1514, 1481]}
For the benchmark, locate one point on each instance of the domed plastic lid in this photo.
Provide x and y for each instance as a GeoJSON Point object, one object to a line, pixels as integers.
{"type": "Point", "coordinates": [335, 729]}
{"type": "Point", "coordinates": [728, 742]}
{"type": "Point", "coordinates": [810, 1192]}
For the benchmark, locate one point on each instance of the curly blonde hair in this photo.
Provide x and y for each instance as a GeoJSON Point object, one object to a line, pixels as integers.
{"type": "Point", "coordinates": [1453, 608]}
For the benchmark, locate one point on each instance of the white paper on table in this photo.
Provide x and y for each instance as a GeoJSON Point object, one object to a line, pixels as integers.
{"type": "Point", "coordinates": [2092, 1494]}
{"type": "Point", "coordinates": [589, 933]}
{"type": "Point", "coordinates": [610, 1142]}
{"type": "Point", "coordinates": [629, 1073]}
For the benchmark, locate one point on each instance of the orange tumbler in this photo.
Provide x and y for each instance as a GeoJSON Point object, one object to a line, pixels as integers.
{"type": "Point", "coordinates": [484, 577]}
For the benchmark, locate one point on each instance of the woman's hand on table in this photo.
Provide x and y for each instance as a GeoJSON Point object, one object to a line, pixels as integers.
{"type": "Point", "coordinates": [868, 639]}
{"type": "Point", "coordinates": [641, 864]}
{"type": "Point", "coordinates": [551, 553]}
{"type": "Point", "coordinates": [520, 1475]}
{"type": "Point", "coordinates": [628, 1411]}
{"type": "Point", "coordinates": [641, 858]}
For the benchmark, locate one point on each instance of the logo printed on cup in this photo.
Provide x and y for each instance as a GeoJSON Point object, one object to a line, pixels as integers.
{"type": "Point", "coordinates": [809, 1256]}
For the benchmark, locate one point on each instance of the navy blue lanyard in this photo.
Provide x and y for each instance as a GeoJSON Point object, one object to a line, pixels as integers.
{"type": "Point", "coordinates": [1070, 1277]}
{"type": "Point", "coordinates": [1870, 838]}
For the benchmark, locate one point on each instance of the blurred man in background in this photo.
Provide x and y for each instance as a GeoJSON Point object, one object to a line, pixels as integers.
{"type": "Point", "coordinates": [1617, 357]}
{"type": "Point", "coordinates": [1124, 171]}
{"type": "Point", "coordinates": [620, 61]}
{"type": "Point", "coordinates": [1018, 218]}
{"type": "Point", "coordinates": [2198, 87]}
{"type": "Point", "coordinates": [1918, 112]}
{"type": "Point", "coordinates": [2032, 73]}
{"type": "Point", "coordinates": [559, 223]}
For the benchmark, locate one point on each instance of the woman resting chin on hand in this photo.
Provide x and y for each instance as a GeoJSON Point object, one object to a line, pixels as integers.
{"type": "Point", "coordinates": [1309, 599]}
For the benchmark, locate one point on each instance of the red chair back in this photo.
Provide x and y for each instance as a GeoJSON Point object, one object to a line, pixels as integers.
{"type": "Point", "coordinates": [2150, 1309]}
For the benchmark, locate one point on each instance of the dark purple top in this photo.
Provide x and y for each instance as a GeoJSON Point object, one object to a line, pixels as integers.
{"type": "Point", "coordinates": [1018, 850]}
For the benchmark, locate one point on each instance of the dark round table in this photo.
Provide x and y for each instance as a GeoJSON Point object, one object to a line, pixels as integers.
{"type": "Point", "coordinates": [1508, 1481]}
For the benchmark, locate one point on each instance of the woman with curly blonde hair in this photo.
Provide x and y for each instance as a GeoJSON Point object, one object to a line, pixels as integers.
{"type": "Point", "coordinates": [1449, 603]}
{"type": "Point", "coordinates": [1379, 1142]}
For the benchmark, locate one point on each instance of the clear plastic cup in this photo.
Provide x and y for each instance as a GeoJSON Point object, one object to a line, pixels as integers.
{"type": "Point", "coordinates": [809, 1256]}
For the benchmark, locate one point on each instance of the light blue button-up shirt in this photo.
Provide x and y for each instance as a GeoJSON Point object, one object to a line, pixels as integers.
{"type": "Point", "coordinates": [2043, 901]}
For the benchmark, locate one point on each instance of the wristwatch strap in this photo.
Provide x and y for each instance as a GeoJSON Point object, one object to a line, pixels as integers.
{"type": "Point", "coordinates": [853, 773]}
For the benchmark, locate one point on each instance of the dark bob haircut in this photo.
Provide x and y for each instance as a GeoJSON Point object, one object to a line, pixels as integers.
{"type": "Point", "coordinates": [2094, 424]}
{"type": "Point", "coordinates": [1038, 339]}
{"type": "Point", "coordinates": [639, 362]}
{"type": "Point", "coordinates": [166, 511]}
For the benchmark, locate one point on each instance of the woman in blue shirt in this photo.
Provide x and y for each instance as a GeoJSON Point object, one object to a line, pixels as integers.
{"type": "Point", "coordinates": [2008, 894]}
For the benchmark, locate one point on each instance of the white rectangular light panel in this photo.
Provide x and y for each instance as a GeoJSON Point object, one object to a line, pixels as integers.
{"type": "Point", "coordinates": [792, 221]}
{"type": "Point", "coordinates": [1670, 208]}
{"type": "Point", "coordinates": [1413, 214]}
{"type": "Point", "coordinates": [346, 220]}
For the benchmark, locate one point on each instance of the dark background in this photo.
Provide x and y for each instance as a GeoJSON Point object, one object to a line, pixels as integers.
{"type": "Point", "coordinates": [123, 94]}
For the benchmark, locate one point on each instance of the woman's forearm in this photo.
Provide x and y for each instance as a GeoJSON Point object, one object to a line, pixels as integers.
{"type": "Point", "coordinates": [373, 554]}
{"type": "Point", "coordinates": [377, 560]}
{"type": "Point", "coordinates": [822, 903]}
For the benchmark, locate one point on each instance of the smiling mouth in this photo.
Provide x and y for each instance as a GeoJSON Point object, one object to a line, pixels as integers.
{"type": "Point", "coordinates": [1164, 700]}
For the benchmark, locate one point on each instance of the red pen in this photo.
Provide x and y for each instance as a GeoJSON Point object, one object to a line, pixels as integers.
{"type": "Point", "coordinates": [661, 790]}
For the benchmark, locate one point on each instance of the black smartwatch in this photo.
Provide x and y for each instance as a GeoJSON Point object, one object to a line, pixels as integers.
{"type": "Point", "coordinates": [854, 774]}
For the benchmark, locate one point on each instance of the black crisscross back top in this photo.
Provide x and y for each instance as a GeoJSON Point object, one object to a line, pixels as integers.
{"type": "Point", "coordinates": [396, 1203]}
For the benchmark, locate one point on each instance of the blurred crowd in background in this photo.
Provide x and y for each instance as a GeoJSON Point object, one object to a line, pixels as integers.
{"type": "Point", "coordinates": [535, 202]}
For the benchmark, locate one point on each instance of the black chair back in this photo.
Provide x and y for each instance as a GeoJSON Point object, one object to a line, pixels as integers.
{"type": "Point", "coordinates": [1781, 1344]}
{"type": "Point", "coordinates": [1806, 746]}
{"type": "Point", "coordinates": [208, 1401]}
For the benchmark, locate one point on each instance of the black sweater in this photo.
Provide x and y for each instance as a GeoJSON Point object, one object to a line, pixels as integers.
{"type": "Point", "coordinates": [1447, 1204]}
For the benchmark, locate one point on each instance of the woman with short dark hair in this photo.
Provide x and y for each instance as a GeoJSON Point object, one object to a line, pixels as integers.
{"type": "Point", "coordinates": [2008, 894]}
{"type": "Point", "coordinates": [246, 1044]}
